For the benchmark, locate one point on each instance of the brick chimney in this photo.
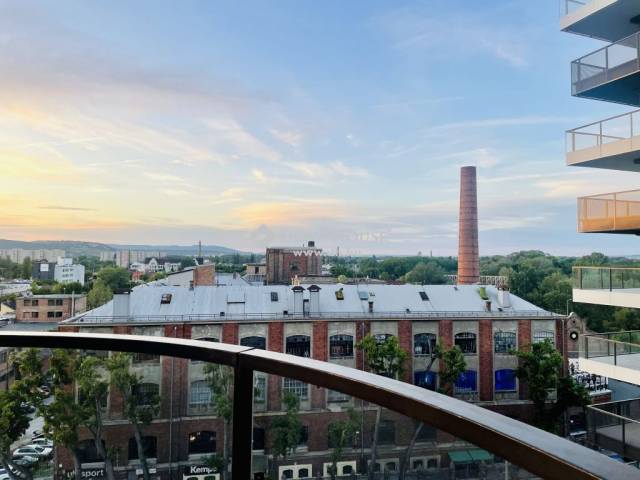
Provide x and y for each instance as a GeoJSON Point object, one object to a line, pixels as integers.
{"type": "Point", "coordinates": [468, 250]}
{"type": "Point", "coordinates": [204, 275]}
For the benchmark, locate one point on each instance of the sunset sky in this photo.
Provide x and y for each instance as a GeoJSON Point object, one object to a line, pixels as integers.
{"type": "Point", "coordinates": [345, 122]}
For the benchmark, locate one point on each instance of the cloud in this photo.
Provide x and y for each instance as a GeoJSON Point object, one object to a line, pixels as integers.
{"type": "Point", "coordinates": [64, 208]}
{"type": "Point", "coordinates": [290, 137]}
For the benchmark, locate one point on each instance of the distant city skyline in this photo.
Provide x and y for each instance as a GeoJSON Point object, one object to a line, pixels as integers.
{"type": "Point", "coordinates": [276, 123]}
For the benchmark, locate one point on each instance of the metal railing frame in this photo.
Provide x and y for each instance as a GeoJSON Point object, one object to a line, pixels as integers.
{"type": "Point", "coordinates": [252, 317]}
{"type": "Point", "coordinates": [539, 452]}
{"type": "Point", "coordinates": [600, 135]}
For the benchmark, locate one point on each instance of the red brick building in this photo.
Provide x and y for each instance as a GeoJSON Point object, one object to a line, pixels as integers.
{"type": "Point", "coordinates": [285, 263]}
{"type": "Point", "coordinates": [49, 308]}
{"type": "Point", "coordinates": [324, 323]}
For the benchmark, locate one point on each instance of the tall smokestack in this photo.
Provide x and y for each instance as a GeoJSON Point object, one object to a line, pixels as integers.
{"type": "Point", "coordinates": [468, 251]}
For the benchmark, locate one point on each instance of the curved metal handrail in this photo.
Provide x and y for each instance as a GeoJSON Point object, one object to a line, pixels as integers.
{"type": "Point", "coordinates": [537, 451]}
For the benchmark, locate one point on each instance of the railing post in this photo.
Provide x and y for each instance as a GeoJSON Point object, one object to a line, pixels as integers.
{"type": "Point", "coordinates": [586, 346]}
{"type": "Point", "coordinates": [242, 422]}
{"type": "Point", "coordinates": [611, 277]}
{"type": "Point", "coordinates": [615, 353]}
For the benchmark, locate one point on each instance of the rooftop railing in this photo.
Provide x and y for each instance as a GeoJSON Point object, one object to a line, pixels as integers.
{"type": "Point", "coordinates": [603, 132]}
{"type": "Point", "coordinates": [610, 212]}
{"type": "Point", "coordinates": [258, 317]}
{"type": "Point", "coordinates": [605, 64]}
{"type": "Point", "coordinates": [606, 278]}
{"type": "Point", "coordinates": [465, 440]}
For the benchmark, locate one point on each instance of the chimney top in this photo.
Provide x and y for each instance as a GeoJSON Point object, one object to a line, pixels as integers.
{"type": "Point", "coordinates": [468, 248]}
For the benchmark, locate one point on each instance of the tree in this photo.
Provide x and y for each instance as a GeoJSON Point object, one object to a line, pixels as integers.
{"type": "Point", "coordinates": [570, 394]}
{"type": "Point", "coordinates": [539, 366]}
{"type": "Point", "coordinates": [14, 410]}
{"type": "Point", "coordinates": [287, 429]}
{"type": "Point", "coordinates": [384, 357]}
{"type": "Point", "coordinates": [99, 294]}
{"type": "Point", "coordinates": [138, 409]}
{"type": "Point", "coordinates": [115, 278]}
{"type": "Point", "coordinates": [341, 434]}
{"type": "Point", "coordinates": [426, 274]}
{"type": "Point", "coordinates": [63, 417]}
{"type": "Point", "coordinates": [452, 364]}
{"type": "Point", "coordinates": [92, 395]}
{"type": "Point", "coordinates": [220, 379]}
{"type": "Point", "coordinates": [26, 268]}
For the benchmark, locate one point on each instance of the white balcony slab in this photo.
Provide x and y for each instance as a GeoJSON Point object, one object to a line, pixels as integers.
{"type": "Point", "coordinates": [604, 19]}
{"type": "Point", "coordinates": [627, 297]}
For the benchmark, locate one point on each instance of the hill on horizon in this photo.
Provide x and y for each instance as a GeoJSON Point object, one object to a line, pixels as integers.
{"type": "Point", "coordinates": [77, 248]}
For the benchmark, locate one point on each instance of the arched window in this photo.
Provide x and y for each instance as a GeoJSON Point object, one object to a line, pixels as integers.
{"type": "Point", "coordinates": [147, 393]}
{"type": "Point", "coordinates": [387, 432]}
{"type": "Point", "coordinates": [341, 346]}
{"type": "Point", "coordinates": [424, 343]}
{"type": "Point", "coordinates": [467, 382]}
{"type": "Point", "coordinates": [299, 345]}
{"type": "Point", "coordinates": [505, 380]}
{"type": "Point", "coordinates": [297, 387]}
{"type": "Point", "coordinates": [424, 379]}
{"type": "Point", "coordinates": [200, 395]}
{"type": "Point", "coordinates": [149, 447]}
{"type": "Point", "coordinates": [504, 342]}
{"type": "Point", "coordinates": [466, 341]}
{"type": "Point", "coordinates": [202, 442]}
{"type": "Point", "coordinates": [254, 342]}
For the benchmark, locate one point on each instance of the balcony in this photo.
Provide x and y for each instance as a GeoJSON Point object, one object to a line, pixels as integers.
{"type": "Point", "coordinates": [613, 143]}
{"type": "Point", "coordinates": [611, 73]}
{"type": "Point", "coordinates": [615, 426]}
{"type": "Point", "coordinates": [608, 20]}
{"type": "Point", "coordinates": [613, 355]}
{"type": "Point", "coordinates": [456, 440]}
{"type": "Point", "coordinates": [615, 286]}
{"type": "Point", "coordinates": [610, 213]}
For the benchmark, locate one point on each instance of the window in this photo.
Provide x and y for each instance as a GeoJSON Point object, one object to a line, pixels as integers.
{"type": "Point", "coordinates": [504, 342]}
{"type": "Point", "coordinates": [299, 345]}
{"type": "Point", "coordinates": [294, 266]}
{"type": "Point", "coordinates": [386, 432]}
{"type": "Point", "coordinates": [335, 396]}
{"type": "Point", "coordinates": [87, 452]}
{"type": "Point", "coordinates": [34, 314]}
{"type": "Point", "coordinates": [466, 341]}
{"type": "Point", "coordinates": [363, 295]}
{"type": "Point", "coordinates": [51, 302]}
{"type": "Point", "coordinates": [149, 447]}
{"type": "Point", "coordinates": [140, 357]}
{"type": "Point", "coordinates": [341, 346]}
{"type": "Point", "coordinates": [27, 303]}
{"type": "Point", "coordinates": [58, 302]}
{"type": "Point", "coordinates": [260, 389]}
{"type": "Point", "coordinates": [202, 442]}
{"type": "Point", "coordinates": [254, 342]}
{"type": "Point", "coordinates": [382, 337]}
{"type": "Point", "coordinates": [467, 382]}
{"type": "Point", "coordinates": [428, 380]}
{"type": "Point", "coordinates": [304, 436]}
{"type": "Point", "coordinates": [424, 296]}
{"type": "Point", "coordinates": [165, 299]}
{"type": "Point", "coordinates": [34, 303]}
{"type": "Point", "coordinates": [257, 270]}
{"type": "Point", "coordinates": [200, 395]}
{"type": "Point", "coordinates": [147, 393]}
{"type": "Point", "coordinates": [505, 380]}
{"type": "Point", "coordinates": [340, 294]}
{"type": "Point", "coordinates": [207, 339]}
{"type": "Point", "coordinates": [54, 314]}
{"type": "Point", "coordinates": [427, 433]}
{"type": "Point", "coordinates": [258, 438]}
{"type": "Point", "coordinates": [424, 343]}
{"type": "Point", "coordinates": [298, 388]}
{"type": "Point", "coordinates": [274, 296]}
{"type": "Point", "coordinates": [542, 335]}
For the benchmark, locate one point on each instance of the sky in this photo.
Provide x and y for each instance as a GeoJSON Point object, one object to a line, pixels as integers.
{"type": "Point", "coordinates": [255, 123]}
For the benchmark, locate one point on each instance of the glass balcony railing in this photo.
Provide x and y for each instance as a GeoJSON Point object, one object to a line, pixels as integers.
{"type": "Point", "coordinates": [571, 6]}
{"type": "Point", "coordinates": [598, 135]}
{"type": "Point", "coordinates": [615, 426]}
{"type": "Point", "coordinates": [606, 278]}
{"type": "Point", "coordinates": [615, 61]}
{"type": "Point", "coordinates": [612, 212]}
{"type": "Point", "coordinates": [195, 410]}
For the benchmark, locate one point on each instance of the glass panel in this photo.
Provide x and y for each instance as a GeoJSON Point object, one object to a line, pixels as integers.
{"type": "Point", "coordinates": [315, 438]}
{"type": "Point", "coordinates": [170, 418]}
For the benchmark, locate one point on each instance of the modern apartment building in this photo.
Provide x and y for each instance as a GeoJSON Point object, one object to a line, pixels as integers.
{"type": "Point", "coordinates": [324, 323]}
{"type": "Point", "coordinates": [610, 74]}
{"type": "Point", "coordinates": [49, 308]}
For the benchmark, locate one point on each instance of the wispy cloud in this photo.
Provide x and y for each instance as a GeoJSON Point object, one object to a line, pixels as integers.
{"type": "Point", "coordinates": [64, 208]}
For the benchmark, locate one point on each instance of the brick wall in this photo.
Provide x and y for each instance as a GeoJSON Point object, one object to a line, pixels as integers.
{"type": "Point", "coordinates": [524, 340]}
{"type": "Point", "coordinates": [319, 351]}
{"type": "Point", "coordinates": [230, 333]}
{"type": "Point", "coordinates": [66, 310]}
{"type": "Point", "coordinates": [204, 275]}
{"type": "Point", "coordinates": [445, 332]}
{"type": "Point", "coordinates": [485, 330]}
{"type": "Point", "coordinates": [405, 338]}
{"type": "Point", "coordinates": [362, 330]}
{"type": "Point", "coordinates": [274, 382]}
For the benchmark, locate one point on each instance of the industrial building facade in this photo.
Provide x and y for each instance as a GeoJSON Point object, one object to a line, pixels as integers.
{"type": "Point", "coordinates": [486, 334]}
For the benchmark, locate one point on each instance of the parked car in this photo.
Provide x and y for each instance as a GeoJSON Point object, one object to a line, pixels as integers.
{"type": "Point", "coordinates": [26, 461]}
{"type": "Point", "coordinates": [32, 451]}
{"type": "Point", "coordinates": [37, 434]}
{"type": "Point", "coordinates": [42, 442]}
{"type": "Point", "coordinates": [28, 408]}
